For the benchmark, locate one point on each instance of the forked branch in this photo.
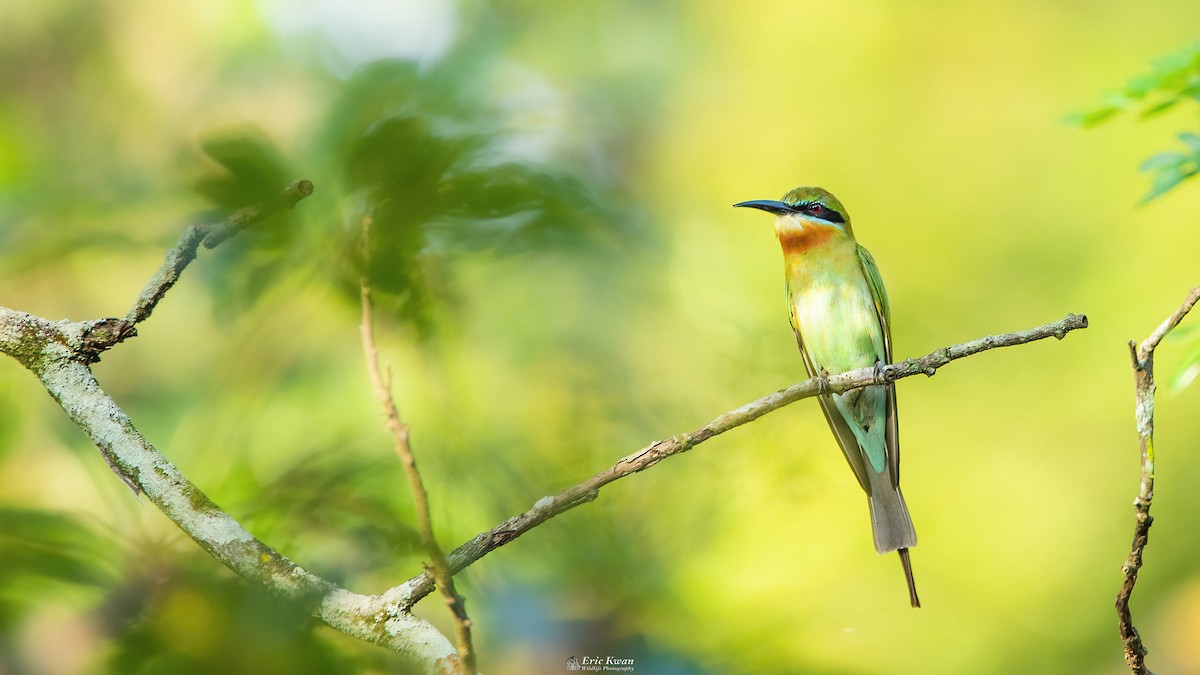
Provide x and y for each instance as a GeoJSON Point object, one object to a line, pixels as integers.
{"type": "Point", "coordinates": [1144, 387]}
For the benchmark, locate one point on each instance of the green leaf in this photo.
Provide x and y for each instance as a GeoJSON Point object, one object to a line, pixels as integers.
{"type": "Point", "coordinates": [1162, 160]}
{"type": "Point", "coordinates": [1192, 140]}
{"type": "Point", "coordinates": [45, 550]}
{"type": "Point", "coordinates": [52, 545]}
{"type": "Point", "coordinates": [246, 169]}
{"type": "Point", "coordinates": [1172, 168]}
{"type": "Point", "coordinates": [1182, 333]}
{"type": "Point", "coordinates": [1139, 87]}
{"type": "Point", "coordinates": [1160, 107]}
{"type": "Point", "coordinates": [243, 168]}
{"type": "Point", "coordinates": [1188, 368]}
{"type": "Point", "coordinates": [1091, 117]}
{"type": "Point", "coordinates": [1166, 179]}
{"type": "Point", "coordinates": [1169, 79]}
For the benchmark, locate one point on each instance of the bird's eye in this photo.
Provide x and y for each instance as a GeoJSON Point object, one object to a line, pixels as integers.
{"type": "Point", "coordinates": [815, 209]}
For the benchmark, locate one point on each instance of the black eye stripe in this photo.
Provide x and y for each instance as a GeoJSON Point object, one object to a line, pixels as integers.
{"type": "Point", "coordinates": [821, 211]}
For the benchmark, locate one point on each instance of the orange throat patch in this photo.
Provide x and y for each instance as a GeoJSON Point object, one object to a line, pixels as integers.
{"type": "Point", "coordinates": [798, 240]}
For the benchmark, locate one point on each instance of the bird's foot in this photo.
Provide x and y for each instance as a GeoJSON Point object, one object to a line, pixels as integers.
{"type": "Point", "coordinates": [883, 372]}
{"type": "Point", "coordinates": [822, 378]}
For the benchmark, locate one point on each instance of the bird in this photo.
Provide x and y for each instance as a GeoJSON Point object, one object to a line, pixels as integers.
{"type": "Point", "coordinates": [839, 312]}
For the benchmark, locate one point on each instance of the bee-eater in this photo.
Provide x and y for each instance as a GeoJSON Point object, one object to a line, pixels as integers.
{"type": "Point", "coordinates": [839, 312]}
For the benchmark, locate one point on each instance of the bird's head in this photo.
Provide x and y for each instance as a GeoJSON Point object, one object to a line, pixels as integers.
{"type": "Point", "coordinates": [805, 205]}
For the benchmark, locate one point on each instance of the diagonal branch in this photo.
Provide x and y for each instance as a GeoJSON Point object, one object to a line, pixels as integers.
{"type": "Point", "coordinates": [210, 234]}
{"type": "Point", "coordinates": [548, 507]}
{"type": "Point", "coordinates": [1144, 388]}
{"type": "Point", "coordinates": [95, 337]}
{"type": "Point", "coordinates": [1146, 349]}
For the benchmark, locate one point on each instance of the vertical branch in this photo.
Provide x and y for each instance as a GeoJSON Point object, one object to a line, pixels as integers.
{"type": "Point", "coordinates": [383, 392]}
{"type": "Point", "coordinates": [1143, 376]}
{"type": "Point", "coordinates": [1144, 388]}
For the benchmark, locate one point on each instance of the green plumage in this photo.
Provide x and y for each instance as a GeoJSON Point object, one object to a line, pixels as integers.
{"type": "Point", "coordinates": [840, 314]}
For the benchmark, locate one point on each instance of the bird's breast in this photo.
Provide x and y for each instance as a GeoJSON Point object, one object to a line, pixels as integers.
{"type": "Point", "coordinates": [833, 310]}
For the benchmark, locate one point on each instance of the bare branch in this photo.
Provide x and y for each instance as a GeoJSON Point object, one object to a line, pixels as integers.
{"type": "Point", "coordinates": [548, 507]}
{"type": "Point", "coordinates": [1144, 389]}
{"type": "Point", "coordinates": [184, 252]}
{"type": "Point", "coordinates": [1148, 345]}
{"type": "Point", "coordinates": [383, 392]}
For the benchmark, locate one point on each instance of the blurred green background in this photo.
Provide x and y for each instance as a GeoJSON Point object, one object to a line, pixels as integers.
{"type": "Point", "coordinates": [561, 281]}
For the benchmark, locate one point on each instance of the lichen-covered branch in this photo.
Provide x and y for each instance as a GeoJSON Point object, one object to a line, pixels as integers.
{"type": "Point", "coordinates": [1144, 388]}
{"type": "Point", "coordinates": [50, 350]}
{"type": "Point", "coordinates": [60, 353]}
{"type": "Point", "coordinates": [548, 507]}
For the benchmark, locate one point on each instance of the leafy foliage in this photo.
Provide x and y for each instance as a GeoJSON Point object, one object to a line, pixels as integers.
{"type": "Point", "coordinates": [44, 549]}
{"type": "Point", "coordinates": [418, 153]}
{"type": "Point", "coordinates": [1172, 78]}
{"type": "Point", "coordinates": [244, 169]}
{"type": "Point", "coordinates": [308, 507]}
{"type": "Point", "coordinates": [197, 622]}
{"type": "Point", "coordinates": [1172, 168]}
{"type": "Point", "coordinates": [419, 157]}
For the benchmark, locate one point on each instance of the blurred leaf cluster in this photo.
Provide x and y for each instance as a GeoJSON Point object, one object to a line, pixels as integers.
{"type": "Point", "coordinates": [180, 617]}
{"type": "Point", "coordinates": [242, 168]}
{"type": "Point", "coordinates": [1172, 79]}
{"type": "Point", "coordinates": [159, 612]}
{"type": "Point", "coordinates": [418, 155]}
{"type": "Point", "coordinates": [46, 552]}
{"type": "Point", "coordinates": [1169, 169]}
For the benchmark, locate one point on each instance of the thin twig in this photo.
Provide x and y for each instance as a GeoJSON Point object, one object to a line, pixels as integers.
{"type": "Point", "coordinates": [442, 575]}
{"type": "Point", "coordinates": [1144, 389]}
{"type": "Point", "coordinates": [548, 507]}
{"type": "Point", "coordinates": [210, 234]}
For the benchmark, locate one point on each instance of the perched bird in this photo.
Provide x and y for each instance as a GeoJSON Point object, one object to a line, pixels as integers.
{"type": "Point", "coordinates": [839, 312]}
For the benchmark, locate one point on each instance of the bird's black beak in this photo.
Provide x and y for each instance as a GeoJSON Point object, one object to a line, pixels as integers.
{"type": "Point", "coordinates": [768, 205]}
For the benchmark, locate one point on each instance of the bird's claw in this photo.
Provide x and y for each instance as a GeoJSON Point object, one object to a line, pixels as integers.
{"type": "Point", "coordinates": [822, 378]}
{"type": "Point", "coordinates": [883, 372]}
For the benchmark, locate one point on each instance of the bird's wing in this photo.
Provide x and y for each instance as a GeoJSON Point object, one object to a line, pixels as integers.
{"type": "Point", "coordinates": [884, 312]}
{"type": "Point", "coordinates": [841, 429]}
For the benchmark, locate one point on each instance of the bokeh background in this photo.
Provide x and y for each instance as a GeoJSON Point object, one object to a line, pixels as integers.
{"type": "Point", "coordinates": [561, 281]}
